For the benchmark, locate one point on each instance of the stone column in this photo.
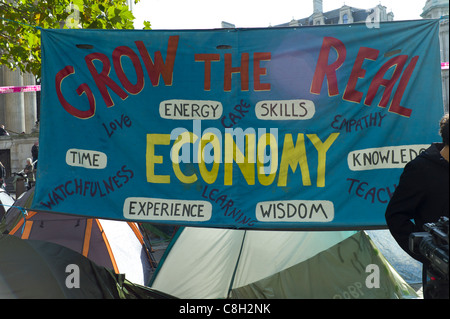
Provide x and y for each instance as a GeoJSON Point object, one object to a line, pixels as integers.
{"type": "Point", "coordinates": [14, 102]}
{"type": "Point", "coordinates": [29, 103]}
{"type": "Point", "coordinates": [2, 102]}
{"type": "Point", "coordinates": [318, 6]}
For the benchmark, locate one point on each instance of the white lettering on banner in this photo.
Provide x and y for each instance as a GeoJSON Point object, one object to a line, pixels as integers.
{"type": "Point", "coordinates": [285, 110]}
{"type": "Point", "coordinates": [159, 209]}
{"type": "Point", "coordinates": [189, 110]}
{"type": "Point", "coordinates": [295, 211]}
{"type": "Point", "coordinates": [383, 157]}
{"type": "Point", "coordinates": [86, 158]}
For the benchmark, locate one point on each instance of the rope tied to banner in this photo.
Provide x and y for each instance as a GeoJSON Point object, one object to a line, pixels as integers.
{"type": "Point", "coordinates": [22, 210]}
{"type": "Point", "coordinates": [22, 23]}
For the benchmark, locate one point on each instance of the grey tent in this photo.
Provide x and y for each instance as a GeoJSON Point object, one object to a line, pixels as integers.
{"type": "Point", "coordinates": [116, 245]}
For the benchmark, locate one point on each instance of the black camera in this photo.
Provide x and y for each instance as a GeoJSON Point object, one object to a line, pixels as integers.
{"type": "Point", "coordinates": [433, 245]}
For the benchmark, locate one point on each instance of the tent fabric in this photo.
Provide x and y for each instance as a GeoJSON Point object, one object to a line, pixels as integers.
{"type": "Point", "coordinates": [218, 263]}
{"type": "Point", "coordinates": [15, 208]}
{"type": "Point", "coordinates": [337, 273]}
{"type": "Point", "coordinates": [409, 268]}
{"type": "Point", "coordinates": [32, 269]}
{"type": "Point", "coordinates": [116, 245]}
{"type": "Point", "coordinates": [112, 244]}
{"type": "Point", "coordinates": [207, 262]}
{"type": "Point", "coordinates": [6, 201]}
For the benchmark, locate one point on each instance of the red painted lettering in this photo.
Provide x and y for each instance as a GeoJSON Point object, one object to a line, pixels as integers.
{"type": "Point", "coordinates": [395, 106]}
{"type": "Point", "coordinates": [207, 58]}
{"type": "Point", "coordinates": [159, 67]}
{"type": "Point", "coordinates": [378, 80]}
{"type": "Point", "coordinates": [117, 55]}
{"type": "Point", "coordinates": [229, 70]}
{"type": "Point", "coordinates": [83, 88]}
{"type": "Point", "coordinates": [358, 72]}
{"type": "Point", "coordinates": [258, 71]}
{"type": "Point", "coordinates": [102, 79]}
{"type": "Point", "coordinates": [329, 70]}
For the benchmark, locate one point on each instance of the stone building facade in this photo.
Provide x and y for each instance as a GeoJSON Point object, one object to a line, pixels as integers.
{"type": "Point", "coordinates": [438, 9]}
{"type": "Point", "coordinates": [19, 115]}
{"type": "Point", "coordinates": [342, 15]}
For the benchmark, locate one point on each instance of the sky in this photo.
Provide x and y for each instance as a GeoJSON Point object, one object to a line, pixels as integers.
{"type": "Point", "coordinates": [209, 14]}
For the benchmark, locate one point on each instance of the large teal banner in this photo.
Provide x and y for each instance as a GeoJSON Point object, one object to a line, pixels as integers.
{"type": "Point", "coordinates": [274, 128]}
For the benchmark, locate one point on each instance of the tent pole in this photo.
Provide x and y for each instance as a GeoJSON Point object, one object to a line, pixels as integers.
{"type": "Point", "coordinates": [237, 264]}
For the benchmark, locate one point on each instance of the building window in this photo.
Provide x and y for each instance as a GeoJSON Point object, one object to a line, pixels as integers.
{"type": "Point", "coordinates": [345, 18]}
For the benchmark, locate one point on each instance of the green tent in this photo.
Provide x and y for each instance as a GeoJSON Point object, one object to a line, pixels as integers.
{"type": "Point", "coordinates": [221, 263]}
{"type": "Point", "coordinates": [35, 269]}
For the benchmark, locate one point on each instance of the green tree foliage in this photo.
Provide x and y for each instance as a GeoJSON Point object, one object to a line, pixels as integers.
{"type": "Point", "coordinates": [20, 20]}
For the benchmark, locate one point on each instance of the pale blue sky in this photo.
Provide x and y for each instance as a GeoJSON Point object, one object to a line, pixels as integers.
{"type": "Point", "coordinates": [208, 14]}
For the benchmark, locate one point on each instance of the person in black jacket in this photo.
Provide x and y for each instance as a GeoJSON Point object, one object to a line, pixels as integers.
{"type": "Point", "coordinates": [35, 153]}
{"type": "Point", "coordinates": [422, 194]}
{"type": "Point", "coordinates": [3, 131]}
